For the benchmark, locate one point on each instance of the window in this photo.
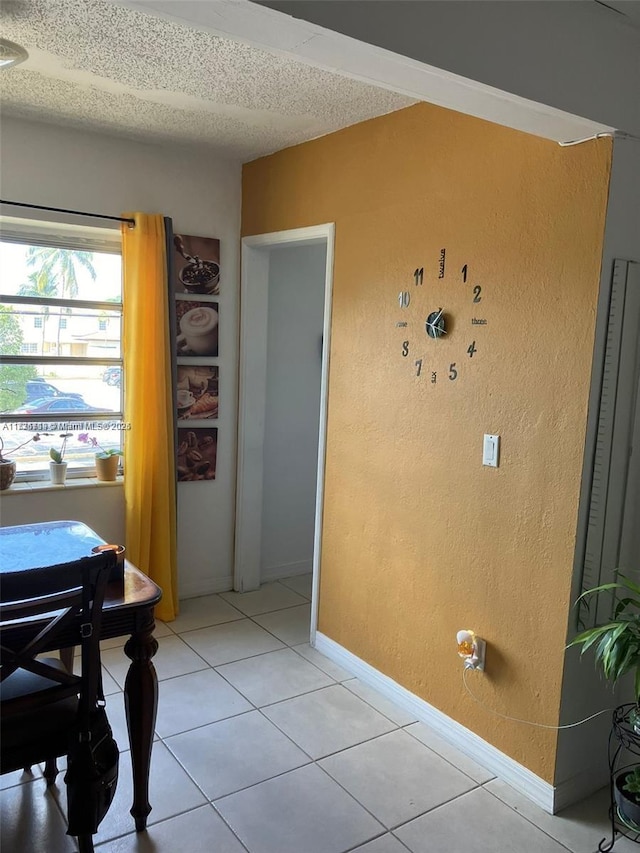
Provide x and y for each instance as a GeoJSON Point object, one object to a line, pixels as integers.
{"type": "Point", "coordinates": [53, 367]}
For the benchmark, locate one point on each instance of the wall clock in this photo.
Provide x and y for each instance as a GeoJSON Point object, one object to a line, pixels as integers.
{"type": "Point", "coordinates": [443, 316]}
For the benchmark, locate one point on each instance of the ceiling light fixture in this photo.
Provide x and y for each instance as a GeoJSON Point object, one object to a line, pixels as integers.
{"type": "Point", "coordinates": [11, 54]}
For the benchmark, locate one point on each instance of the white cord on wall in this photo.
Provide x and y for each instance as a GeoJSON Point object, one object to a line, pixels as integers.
{"type": "Point", "coordinates": [616, 134]}
{"type": "Point", "coordinates": [528, 722]}
{"type": "Point", "coordinates": [586, 139]}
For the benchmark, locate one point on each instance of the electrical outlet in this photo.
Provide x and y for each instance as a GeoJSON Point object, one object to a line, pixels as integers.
{"type": "Point", "coordinates": [472, 649]}
{"type": "Point", "coordinates": [476, 661]}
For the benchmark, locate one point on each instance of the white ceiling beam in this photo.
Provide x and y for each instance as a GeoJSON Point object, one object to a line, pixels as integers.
{"type": "Point", "coordinates": [278, 33]}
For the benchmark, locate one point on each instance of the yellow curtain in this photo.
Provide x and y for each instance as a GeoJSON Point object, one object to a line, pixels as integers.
{"type": "Point", "coordinates": [149, 461]}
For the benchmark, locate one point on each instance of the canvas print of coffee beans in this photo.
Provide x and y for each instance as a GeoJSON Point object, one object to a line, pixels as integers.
{"type": "Point", "coordinates": [196, 264]}
{"type": "Point", "coordinates": [197, 392]}
{"type": "Point", "coordinates": [197, 328]}
{"type": "Point", "coordinates": [197, 452]}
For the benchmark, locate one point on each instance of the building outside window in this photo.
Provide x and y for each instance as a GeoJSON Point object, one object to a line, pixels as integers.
{"type": "Point", "coordinates": [52, 366]}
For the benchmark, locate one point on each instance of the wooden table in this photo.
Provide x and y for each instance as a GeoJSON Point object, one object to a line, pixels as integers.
{"type": "Point", "coordinates": [127, 611]}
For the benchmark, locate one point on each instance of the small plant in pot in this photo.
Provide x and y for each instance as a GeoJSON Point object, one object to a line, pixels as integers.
{"type": "Point", "coordinates": [57, 465]}
{"type": "Point", "coordinates": [106, 459]}
{"type": "Point", "coordinates": [617, 652]}
{"type": "Point", "coordinates": [627, 795]}
{"type": "Point", "coordinates": [8, 466]}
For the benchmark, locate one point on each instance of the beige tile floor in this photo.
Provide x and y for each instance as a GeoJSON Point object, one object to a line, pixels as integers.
{"type": "Point", "coordinates": [266, 746]}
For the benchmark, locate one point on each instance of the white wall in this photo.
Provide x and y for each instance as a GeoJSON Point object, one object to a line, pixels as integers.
{"type": "Point", "coordinates": [584, 690]}
{"type": "Point", "coordinates": [100, 507]}
{"type": "Point", "coordinates": [292, 411]}
{"type": "Point", "coordinates": [63, 167]}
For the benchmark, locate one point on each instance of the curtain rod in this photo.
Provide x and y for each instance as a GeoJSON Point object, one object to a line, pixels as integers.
{"type": "Point", "coordinates": [131, 222]}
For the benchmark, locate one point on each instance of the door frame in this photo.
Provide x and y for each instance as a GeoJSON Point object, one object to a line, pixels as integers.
{"type": "Point", "coordinates": [254, 298]}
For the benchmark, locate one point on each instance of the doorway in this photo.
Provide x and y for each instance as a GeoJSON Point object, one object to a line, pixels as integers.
{"type": "Point", "coordinates": [273, 517]}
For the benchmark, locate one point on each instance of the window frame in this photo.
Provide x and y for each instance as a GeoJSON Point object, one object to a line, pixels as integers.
{"type": "Point", "coordinates": [63, 235]}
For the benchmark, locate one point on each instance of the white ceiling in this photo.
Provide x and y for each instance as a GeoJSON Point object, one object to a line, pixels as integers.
{"type": "Point", "coordinates": [99, 65]}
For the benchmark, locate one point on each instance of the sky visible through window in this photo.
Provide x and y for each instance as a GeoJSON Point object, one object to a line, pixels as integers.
{"type": "Point", "coordinates": [71, 393]}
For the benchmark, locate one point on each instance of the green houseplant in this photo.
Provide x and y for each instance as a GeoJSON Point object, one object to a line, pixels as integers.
{"type": "Point", "coordinates": [617, 651]}
{"type": "Point", "coordinates": [617, 643]}
{"type": "Point", "coordinates": [106, 459]}
{"type": "Point", "coordinates": [57, 465]}
{"type": "Point", "coordinates": [8, 466]}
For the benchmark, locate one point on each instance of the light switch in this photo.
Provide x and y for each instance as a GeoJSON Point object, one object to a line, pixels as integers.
{"type": "Point", "coordinates": [490, 450]}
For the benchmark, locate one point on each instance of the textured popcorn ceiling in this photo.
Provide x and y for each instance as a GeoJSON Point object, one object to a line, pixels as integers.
{"type": "Point", "coordinates": [95, 65]}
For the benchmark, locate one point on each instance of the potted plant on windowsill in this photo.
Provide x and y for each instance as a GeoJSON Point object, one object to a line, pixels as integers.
{"type": "Point", "coordinates": [57, 465]}
{"type": "Point", "coordinates": [106, 460]}
{"type": "Point", "coordinates": [8, 466]}
{"type": "Point", "coordinates": [617, 652]}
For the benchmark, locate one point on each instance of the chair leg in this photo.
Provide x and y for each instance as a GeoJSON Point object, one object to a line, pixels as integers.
{"type": "Point", "coordinates": [50, 771]}
{"type": "Point", "coordinates": [85, 844]}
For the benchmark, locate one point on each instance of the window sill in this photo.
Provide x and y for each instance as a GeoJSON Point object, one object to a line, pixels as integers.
{"type": "Point", "coordinates": [71, 483]}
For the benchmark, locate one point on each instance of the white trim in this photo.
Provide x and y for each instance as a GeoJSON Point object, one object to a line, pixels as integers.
{"type": "Point", "coordinates": [50, 231]}
{"type": "Point", "coordinates": [286, 570]}
{"type": "Point", "coordinates": [322, 436]}
{"type": "Point", "coordinates": [254, 280]}
{"type": "Point", "coordinates": [519, 777]}
{"type": "Point", "coordinates": [580, 786]}
{"type": "Point", "coordinates": [208, 587]}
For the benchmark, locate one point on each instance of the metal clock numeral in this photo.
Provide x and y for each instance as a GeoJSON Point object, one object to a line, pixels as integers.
{"type": "Point", "coordinates": [440, 326]}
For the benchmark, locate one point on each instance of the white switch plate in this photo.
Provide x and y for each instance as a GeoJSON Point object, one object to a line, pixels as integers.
{"type": "Point", "coordinates": [491, 450]}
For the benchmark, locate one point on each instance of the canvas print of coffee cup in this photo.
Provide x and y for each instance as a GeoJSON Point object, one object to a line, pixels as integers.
{"type": "Point", "coordinates": [196, 264]}
{"type": "Point", "coordinates": [197, 452]}
{"type": "Point", "coordinates": [197, 392]}
{"type": "Point", "coordinates": [197, 328]}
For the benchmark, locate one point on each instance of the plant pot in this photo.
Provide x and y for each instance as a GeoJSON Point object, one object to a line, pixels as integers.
{"type": "Point", "coordinates": [58, 472]}
{"type": "Point", "coordinates": [627, 804]}
{"type": "Point", "coordinates": [634, 719]}
{"type": "Point", "coordinates": [107, 467]}
{"type": "Point", "coordinates": [7, 473]}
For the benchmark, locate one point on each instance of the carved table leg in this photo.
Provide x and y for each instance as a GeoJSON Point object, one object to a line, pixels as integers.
{"type": "Point", "coordinates": [141, 702]}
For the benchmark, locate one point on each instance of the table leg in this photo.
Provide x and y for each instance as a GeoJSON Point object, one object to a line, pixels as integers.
{"type": "Point", "coordinates": [141, 702]}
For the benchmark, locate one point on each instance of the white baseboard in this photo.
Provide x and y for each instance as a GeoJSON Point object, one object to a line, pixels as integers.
{"type": "Point", "coordinates": [519, 777]}
{"type": "Point", "coordinates": [581, 785]}
{"type": "Point", "coordinates": [208, 587]}
{"type": "Point", "coordinates": [286, 570]}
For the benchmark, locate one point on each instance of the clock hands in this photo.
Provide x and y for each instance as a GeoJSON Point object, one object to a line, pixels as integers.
{"type": "Point", "coordinates": [435, 324]}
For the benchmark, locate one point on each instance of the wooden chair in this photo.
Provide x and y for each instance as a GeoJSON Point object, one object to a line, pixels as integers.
{"type": "Point", "coordinates": [41, 610]}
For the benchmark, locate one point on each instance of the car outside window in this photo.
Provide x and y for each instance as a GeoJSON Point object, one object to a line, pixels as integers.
{"type": "Point", "coordinates": [60, 333]}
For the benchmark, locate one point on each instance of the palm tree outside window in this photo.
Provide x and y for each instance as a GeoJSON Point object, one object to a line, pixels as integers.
{"type": "Point", "coordinates": [60, 330]}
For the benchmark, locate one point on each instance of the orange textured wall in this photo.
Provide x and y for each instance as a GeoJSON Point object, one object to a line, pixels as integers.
{"type": "Point", "coordinates": [419, 539]}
